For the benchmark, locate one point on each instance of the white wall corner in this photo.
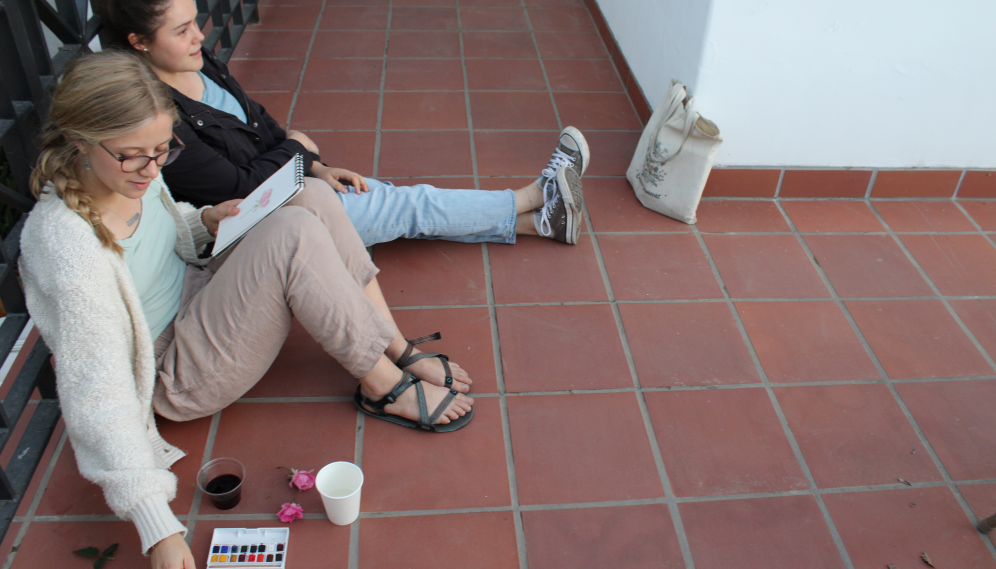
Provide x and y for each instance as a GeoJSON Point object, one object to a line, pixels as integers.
{"type": "Point", "coordinates": [660, 39]}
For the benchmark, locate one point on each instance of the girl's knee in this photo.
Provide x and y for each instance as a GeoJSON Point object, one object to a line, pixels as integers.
{"type": "Point", "coordinates": [316, 185]}
{"type": "Point", "coordinates": [319, 198]}
{"type": "Point", "coordinates": [291, 221]}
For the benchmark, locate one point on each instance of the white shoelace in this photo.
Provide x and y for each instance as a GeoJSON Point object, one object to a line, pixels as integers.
{"type": "Point", "coordinates": [550, 194]}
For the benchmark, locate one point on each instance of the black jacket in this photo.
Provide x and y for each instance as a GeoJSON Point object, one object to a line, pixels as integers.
{"type": "Point", "coordinates": [225, 158]}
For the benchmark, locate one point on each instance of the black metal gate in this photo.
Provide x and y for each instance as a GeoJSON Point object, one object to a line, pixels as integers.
{"type": "Point", "coordinates": [27, 74]}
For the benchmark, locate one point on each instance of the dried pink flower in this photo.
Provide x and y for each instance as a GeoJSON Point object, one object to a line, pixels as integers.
{"type": "Point", "coordinates": [302, 479]}
{"type": "Point", "coordinates": [290, 512]}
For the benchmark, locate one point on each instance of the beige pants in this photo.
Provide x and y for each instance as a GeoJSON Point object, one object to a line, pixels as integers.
{"type": "Point", "coordinates": [305, 260]}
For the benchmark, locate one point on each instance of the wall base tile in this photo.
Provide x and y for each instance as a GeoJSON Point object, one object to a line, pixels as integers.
{"type": "Point", "coordinates": [978, 184]}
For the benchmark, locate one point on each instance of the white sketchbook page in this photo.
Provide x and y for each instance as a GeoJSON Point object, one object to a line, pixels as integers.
{"type": "Point", "coordinates": [270, 195]}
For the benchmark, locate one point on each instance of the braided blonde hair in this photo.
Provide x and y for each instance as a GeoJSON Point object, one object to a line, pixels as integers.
{"type": "Point", "coordinates": [102, 96]}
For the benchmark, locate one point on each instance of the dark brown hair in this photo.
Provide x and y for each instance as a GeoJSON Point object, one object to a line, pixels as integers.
{"type": "Point", "coordinates": [123, 17]}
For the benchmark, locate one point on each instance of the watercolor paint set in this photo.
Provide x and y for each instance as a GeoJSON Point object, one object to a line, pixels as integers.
{"type": "Point", "coordinates": [248, 547]}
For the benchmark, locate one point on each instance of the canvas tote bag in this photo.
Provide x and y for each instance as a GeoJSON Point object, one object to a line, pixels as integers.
{"type": "Point", "coordinates": [674, 157]}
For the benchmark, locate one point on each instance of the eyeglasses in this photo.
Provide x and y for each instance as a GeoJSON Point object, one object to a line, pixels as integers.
{"type": "Point", "coordinates": [131, 164]}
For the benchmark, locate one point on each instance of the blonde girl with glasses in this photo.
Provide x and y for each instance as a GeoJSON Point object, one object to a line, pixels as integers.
{"type": "Point", "coordinates": [140, 326]}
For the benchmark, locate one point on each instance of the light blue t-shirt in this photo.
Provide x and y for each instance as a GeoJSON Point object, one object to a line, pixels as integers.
{"type": "Point", "coordinates": [216, 96]}
{"type": "Point", "coordinates": [155, 267]}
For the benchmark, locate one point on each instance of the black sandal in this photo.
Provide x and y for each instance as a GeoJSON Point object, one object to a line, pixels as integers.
{"type": "Point", "coordinates": [426, 422]}
{"type": "Point", "coordinates": [408, 359]}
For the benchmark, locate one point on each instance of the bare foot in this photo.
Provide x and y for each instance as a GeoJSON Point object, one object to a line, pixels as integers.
{"type": "Point", "coordinates": [407, 404]}
{"type": "Point", "coordinates": [431, 371]}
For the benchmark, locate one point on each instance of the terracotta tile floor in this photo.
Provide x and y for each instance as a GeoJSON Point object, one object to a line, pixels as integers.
{"type": "Point", "coordinates": [745, 392]}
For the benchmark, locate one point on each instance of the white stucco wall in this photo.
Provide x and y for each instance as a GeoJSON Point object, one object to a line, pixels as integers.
{"type": "Point", "coordinates": [825, 83]}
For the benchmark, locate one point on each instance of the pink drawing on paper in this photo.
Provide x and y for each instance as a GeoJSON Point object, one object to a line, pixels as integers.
{"type": "Point", "coordinates": [264, 201]}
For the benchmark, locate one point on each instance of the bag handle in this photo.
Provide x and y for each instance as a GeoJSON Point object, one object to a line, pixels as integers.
{"type": "Point", "coordinates": [677, 100]}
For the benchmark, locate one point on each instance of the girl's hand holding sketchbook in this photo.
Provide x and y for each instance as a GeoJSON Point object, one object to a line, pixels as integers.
{"type": "Point", "coordinates": [277, 190]}
{"type": "Point", "coordinates": [212, 216]}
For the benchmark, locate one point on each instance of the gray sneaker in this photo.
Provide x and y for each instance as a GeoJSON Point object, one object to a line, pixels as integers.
{"type": "Point", "coordinates": [560, 217]}
{"type": "Point", "coordinates": [572, 150]}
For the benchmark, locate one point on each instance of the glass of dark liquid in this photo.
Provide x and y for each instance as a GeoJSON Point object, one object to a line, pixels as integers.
{"type": "Point", "coordinates": [221, 481]}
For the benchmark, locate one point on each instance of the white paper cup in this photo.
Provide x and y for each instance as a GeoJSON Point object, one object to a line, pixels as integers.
{"type": "Point", "coordinates": [339, 484]}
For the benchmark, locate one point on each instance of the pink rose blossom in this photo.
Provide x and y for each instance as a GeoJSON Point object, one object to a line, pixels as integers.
{"type": "Point", "coordinates": [302, 479]}
{"type": "Point", "coordinates": [290, 512]}
{"type": "Point", "coordinates": [265, 200]}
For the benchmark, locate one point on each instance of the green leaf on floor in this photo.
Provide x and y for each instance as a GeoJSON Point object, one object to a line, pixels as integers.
{"type": "Point", "coordinates": [102, 558]}
{"type": "Point", "coordinates": [926, 559]}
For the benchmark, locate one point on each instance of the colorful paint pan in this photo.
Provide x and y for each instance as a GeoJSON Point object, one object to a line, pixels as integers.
{"type": "Point", "coordinates": [265, 548]}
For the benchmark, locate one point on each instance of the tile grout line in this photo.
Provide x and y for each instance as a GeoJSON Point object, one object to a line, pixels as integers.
{"type": "Point", "coordinates": [438, 57]}
{"type": "Point", "coordinates": [674, 388]}
{"type": "Point", "coordinates": [539, 58]}
{"type": "Point", "coordinates": [293, 399]}
{"type": "Point", "coordinates": [513, 484]}
{"type": "Point", "coordinates": [466, 101]}
{"type": "Point", "coordinates": [490, 130]}
{"type": "Point", "coordinates": [684, 301]}
{"type": "Point", "coordinates": [988, 237]}
{"type": "Point", "coordinates": [669, 497]}
{"type": "Point", "coordinates": [902, 403]}
{"type": "Point", "coordinates": [961, 180]}
{"type": "Point", "coordinates": [476, 31]}
{"type": "Point", "coordinates": [449, 90]}
{"type": "Point", "coordinates": [871, 184]}
{"type": "Point", "coordinates": [889, 382]}
{"type": "Point", "coordinates": [358, 441]}
{"type": "Point", "coordinates": [778, 186]}
{"type": "Point", "coordinates": [612, 62]}
{"type": "Point", "coordinates": [937, 291]}
{"type": "Point", "coordinates": [763, 233]}
{"type": "Point", "coordinates": [195, 505]}
{"type": "Point", "coordinates": [776, 406]}
{"type": "Point", "coordinates": [834, 295]}
{"type": "Point", "coordinates": [380, 102]}
{"type": "Point", "coordinates": [304, 65]}
{"type": "Point", "coordinates": [732, 386]}
{"type": "Point", "coordinates": [36, 499]}
{"type": "Point", "coordinates": [544, 507]}
{"type": "Point", "coordinates": [638, 389]}
{"type": "Point", "coordinates": [697, 387]}
{"type": "Point", "coordinates": [354, 528]}
{"type": "Point", "coordinates": [822, 198]}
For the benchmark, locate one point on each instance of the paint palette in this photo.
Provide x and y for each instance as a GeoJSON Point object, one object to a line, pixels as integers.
{"type": "Point", "coordinates": [248, 547]}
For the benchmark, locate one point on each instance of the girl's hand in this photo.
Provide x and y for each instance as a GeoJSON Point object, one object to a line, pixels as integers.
{"type": "Point", "coordinates": [212, 216]}
{"type": "Point", "coordinates": [309, 144]}
{"type": "Point", "coordinates": [335, 176]}
{"type": "Point", "coordinates": [172, 553]}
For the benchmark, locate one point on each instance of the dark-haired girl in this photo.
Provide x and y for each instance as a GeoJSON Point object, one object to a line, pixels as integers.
{"type": "Point", "coordinates": [233, 144]}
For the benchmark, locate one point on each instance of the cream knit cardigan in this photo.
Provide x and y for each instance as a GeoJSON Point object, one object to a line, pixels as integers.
{"type": "Point", "coordinates": [84, 303]}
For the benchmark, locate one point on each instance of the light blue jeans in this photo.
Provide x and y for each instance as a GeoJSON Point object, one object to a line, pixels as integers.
{"type": "Point", "coordinates": [388, 212]}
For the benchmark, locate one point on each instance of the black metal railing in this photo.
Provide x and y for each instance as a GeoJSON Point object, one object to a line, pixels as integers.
{"type": "Point", "coordinates": [223, 21]}
{"type": "Point", "coordinates": [30, 63]}
{"type": "Point", "coordinates": [27, 73]}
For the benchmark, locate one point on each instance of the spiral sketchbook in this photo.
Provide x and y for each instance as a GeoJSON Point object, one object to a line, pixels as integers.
{"type": "Point", "coordinates": [277, 190]}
